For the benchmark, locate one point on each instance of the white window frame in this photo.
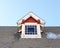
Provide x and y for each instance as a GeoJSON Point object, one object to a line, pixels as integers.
{"type": "Point", "coordinates": [30, 26]}
{"type": "Point", "coordinates": [38, 35]}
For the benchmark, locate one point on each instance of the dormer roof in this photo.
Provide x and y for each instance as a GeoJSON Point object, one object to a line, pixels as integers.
{"type": "Point", "coordinates": [31, 15]}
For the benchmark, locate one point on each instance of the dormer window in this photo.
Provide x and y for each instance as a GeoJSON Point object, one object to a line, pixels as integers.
{"type": "Point", "coordinates": [30, 26]}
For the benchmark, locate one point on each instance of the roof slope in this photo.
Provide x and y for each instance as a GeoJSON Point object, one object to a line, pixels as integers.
{"type": "Point", "coordinates": [7, 39]}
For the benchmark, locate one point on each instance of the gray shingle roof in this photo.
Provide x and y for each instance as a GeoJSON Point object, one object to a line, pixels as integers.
{"type": "Point", "coordinates": [7, 39]}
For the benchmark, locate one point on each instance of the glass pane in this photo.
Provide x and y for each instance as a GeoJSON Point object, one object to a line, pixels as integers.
{"type": "Point", "coordinates": [30, 29]}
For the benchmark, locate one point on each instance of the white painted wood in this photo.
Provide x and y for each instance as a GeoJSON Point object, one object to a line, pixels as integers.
{"type": "Point", "coordinates": [31, 36]}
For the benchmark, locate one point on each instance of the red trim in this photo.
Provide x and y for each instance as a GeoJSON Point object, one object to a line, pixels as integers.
{"type": "Point", "coordinates": [31, 20]}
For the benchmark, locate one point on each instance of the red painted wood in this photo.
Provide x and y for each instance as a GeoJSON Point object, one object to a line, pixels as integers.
{"type": "Point", "coordinates": [31, 20]}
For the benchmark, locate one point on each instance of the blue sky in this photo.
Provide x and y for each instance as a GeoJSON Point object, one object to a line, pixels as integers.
{"type": "Point", "coordinates": [12, 10]}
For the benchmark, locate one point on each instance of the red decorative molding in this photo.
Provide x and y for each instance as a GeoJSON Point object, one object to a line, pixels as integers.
{"type": "Point", "coordinates": [31, 20]}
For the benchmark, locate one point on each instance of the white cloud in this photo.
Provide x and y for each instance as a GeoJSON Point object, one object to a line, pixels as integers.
{"type": "Point", "coordinates": [51, 35]}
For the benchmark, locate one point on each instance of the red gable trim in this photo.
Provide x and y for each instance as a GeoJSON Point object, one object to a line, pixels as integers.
{"type": "Point", "coordinates": [30, 20]}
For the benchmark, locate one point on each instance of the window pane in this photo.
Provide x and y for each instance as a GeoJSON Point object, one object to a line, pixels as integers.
{"type": "Point", "coordinates": [30, 29]}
